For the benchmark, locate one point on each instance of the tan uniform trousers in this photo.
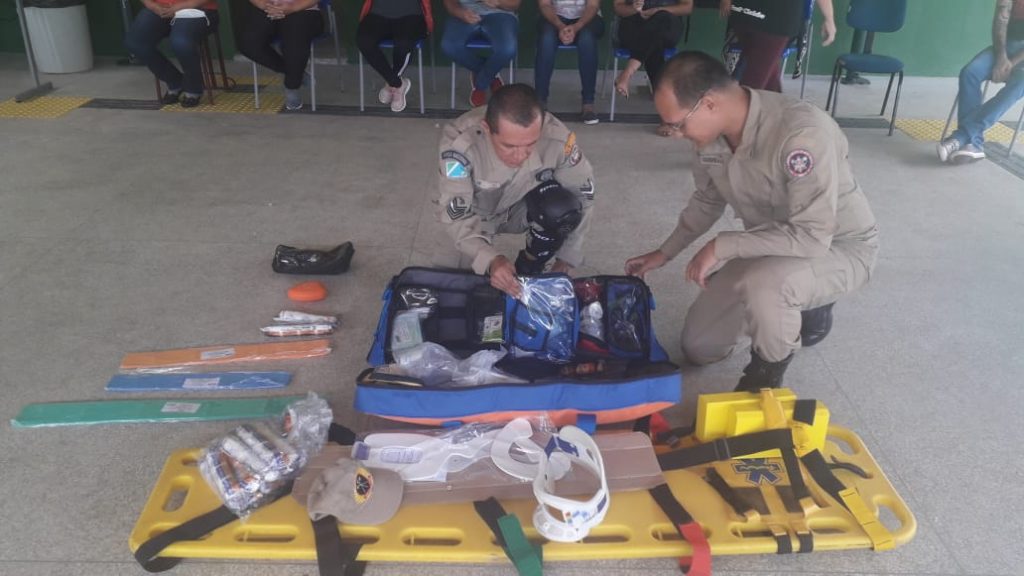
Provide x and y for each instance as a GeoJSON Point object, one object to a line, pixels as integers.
{"type": "Point", "coordinates": [447, 255]}
{"type": "Point", "coordinates": [762, 298]}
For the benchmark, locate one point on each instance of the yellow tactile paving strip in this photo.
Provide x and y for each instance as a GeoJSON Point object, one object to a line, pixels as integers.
{"type": "Point", "coordinates": [931, 130]}
{"type": "Point", "coordinates": [234, 103]}
{"type": "Point", "coordinates": [46, 107]}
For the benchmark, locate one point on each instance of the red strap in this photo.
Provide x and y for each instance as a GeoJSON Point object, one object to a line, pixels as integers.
{"type": "Point", "coordinates": [699, 564]}
{"type": "Point", "coordinates": [658, 425]}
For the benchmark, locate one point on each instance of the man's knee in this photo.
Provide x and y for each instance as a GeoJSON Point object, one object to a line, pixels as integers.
{"type": "Point", "coordinates": [700, 353]}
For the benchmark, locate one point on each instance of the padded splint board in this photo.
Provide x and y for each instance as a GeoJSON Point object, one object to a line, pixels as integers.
{"type": "Point", "coordinates": [211, 355]}
{"type": "Point", "coordinates": [634, 528]}
{"type": "Point", "coordinates": [154, 410]}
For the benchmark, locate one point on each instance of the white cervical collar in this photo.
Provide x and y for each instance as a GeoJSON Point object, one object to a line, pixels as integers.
{"type": "Point", "coordinates": [517, 433]}
{"type": "Point", "coordinates": [577, 518]}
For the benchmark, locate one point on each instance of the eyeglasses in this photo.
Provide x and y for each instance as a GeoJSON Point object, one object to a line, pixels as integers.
{"type": "Point", "coordinates": [679, 125]}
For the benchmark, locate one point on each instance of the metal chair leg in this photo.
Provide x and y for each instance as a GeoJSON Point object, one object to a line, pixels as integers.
{"type": "Point", "coordinates": [615, 72]}
{"type": "Point", "coordinates": [885, 101]}
{"type": "Point", "coordinates": [419, 56]}
{"type": "Point", "coordinates": [949, 119]}
{"type": "Point", "coordinates": [312, 76]}
{"type": "Point", "coordinates": [362, 96]}
{"type": "Point", "coordinates": [807, 61]}
{"type": "Point", "coordinates": [831, 87]}
{"type": "Point", "coordinates": [1016, 132]}
{"type": "Point", "coordinates": [256, 85]}
{"type": "Point", "coordinates": [220, 58]}
{"type": "Point", "coordinates": [433, 64]}
{"type": "Point", "coordinates": [333, 28]}
{"type": "Point", "coordinates": [453, 86]}
{"type": "Point", "coordinates": [896, 104]}
{"type": "Point", "coordinates": [206, 68]}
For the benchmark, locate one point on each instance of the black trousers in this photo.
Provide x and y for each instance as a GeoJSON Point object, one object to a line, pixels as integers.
{"type": "Point", "coordinates": [294, 33]}
{"type": "Point", "coordinates": [405, 32]}
{"type": "Point", "coordinates": [648, 39]}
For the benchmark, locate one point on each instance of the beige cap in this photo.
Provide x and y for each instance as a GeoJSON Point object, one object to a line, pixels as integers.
{"type": "Point", "coordinates": [354, 494]}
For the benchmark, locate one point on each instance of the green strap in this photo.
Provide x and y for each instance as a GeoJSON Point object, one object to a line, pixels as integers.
{"type": "Point", "coordinates": [166, 410]}
{"type": "Point", "coordinates": [527, 558]}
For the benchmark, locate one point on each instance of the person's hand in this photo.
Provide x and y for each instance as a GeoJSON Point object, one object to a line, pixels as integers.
{"type": "Point", "coordinates": [649, 12]}
{"type": "Point", "coordinates": [1002, 69]}
{"type": "Point", "coordinates": [724, 8]}
{"type": "Point", "coordinates": [702, 263]}
{"type": "Point", "coordinates": [503, 277]}
{"type": "Point", "coordinates": [469, 17]}
{"type": "Point", "coordinates": [638, 5]}
{"type": "Point", "coordinates": [560, 267]}
{"type": "Point", "coordinates": [828, 32]}
{"type": "Point", "coordinates": [640, 265]}
{"type": "Point", "coordinates": [567, 35]}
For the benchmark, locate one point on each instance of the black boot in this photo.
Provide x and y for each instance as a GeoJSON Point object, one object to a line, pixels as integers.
{"type": "Point", "coordinates": [815, 324]}
{"type": "Point", "coordinates": [288, 260]}
{"type": "Point", "coordinates": [761, 373]}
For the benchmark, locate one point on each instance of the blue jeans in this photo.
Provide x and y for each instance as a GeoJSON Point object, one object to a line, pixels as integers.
{"type": "Point", "coordinates": [500, 29]}
{"type": "Point", "coordinates": [143, 39]}
{"type": "Point", "coordinates": [973, 116]}
{"type": "Point", "coordinates": [547, 48]}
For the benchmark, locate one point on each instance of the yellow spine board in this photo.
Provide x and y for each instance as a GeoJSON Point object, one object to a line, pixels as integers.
{"type": "Point", "coordinates": [634, 528]}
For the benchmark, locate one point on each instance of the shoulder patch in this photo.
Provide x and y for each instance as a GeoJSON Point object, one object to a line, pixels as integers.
{"type": "Point", "coordinates": [799, 163]}
{"type": "Point", "coordinates": [570, 144]}
{"type": "Point", "coordinates": [545, 175]}
{"type": "Point", "coordinates": [457, 208]}
{"type": "Point", "coordinates": [456, 165]}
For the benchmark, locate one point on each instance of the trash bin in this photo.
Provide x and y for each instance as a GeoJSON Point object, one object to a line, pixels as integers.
{"type": "Point", "coordinates": [59, 30]}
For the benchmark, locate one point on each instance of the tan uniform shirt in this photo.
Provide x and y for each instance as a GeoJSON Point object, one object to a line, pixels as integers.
{"type": "Point", "coordinates": [477, 190]}
{"type": "Point", "coordinates": [789, 181]}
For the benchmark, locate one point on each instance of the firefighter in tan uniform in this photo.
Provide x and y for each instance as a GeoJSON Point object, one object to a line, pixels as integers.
{"type": "Point", "coordinates": [808, 235]}
{"type": "Point", "coordinates": [510, 168]}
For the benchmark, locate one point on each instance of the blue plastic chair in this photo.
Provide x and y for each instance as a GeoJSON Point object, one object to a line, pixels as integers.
{"type": "Point", "coordinates": [391, 45]}
{"type": "Point", "coordinates": [479, 43]}
{"type": "Point", "coordinates": [871, 16]}
{"type": "Point", "coordinates": [328, 12]}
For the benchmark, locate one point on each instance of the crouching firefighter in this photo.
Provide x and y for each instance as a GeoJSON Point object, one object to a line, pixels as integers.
{"type": "Point", "coordinates": [509, 168]}
{"type": "Point", "coordinates": [808, 238]}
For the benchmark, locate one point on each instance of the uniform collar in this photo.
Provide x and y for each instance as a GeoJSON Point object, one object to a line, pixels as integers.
{"type": "Point", "coordinates": [753, 123]}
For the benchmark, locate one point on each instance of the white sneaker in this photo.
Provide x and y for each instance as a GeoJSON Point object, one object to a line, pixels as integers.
{"type": "Point", "coordinates": [398, 97]}
{"type": "Point", "coordinates": [967, 154]}
{"type": "Point", "coordinates": [384, 96]}
{"type": "Point", "coordinates": [946, 148]}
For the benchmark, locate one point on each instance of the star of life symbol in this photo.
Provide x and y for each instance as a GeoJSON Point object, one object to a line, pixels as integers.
{"type": "Point", "coordinates": [758, 470]}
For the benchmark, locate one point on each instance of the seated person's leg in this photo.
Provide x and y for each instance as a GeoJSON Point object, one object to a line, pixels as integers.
{"type": "Point", "coordinates": [453, 44]}
{"type": "Point", "coordinates": [547, 45]}
{"type": "Point", "coordinates": [586, 41]}
{"type": "Point", "coordinates": [142, 39]}
{"type": "Point", "coordinates": [502, 30]}
{"type": "Point", "coordinates": [988, 113]}
{"type": "Point", "coordinates": [635, 38]}
{"type": "Point", "coordinates": [407, 32]}
{"type": "Point", "coordinates": [255, 36]}
{"type": "Point", "coordinates": [186, 34]}
{"type": "Point", "coordinates": [298, 29]}
{"type": "Point", "coordinates": [372, 30]}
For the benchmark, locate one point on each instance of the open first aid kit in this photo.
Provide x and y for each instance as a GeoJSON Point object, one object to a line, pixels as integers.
{"type": "Point", "coordinates": [449, 348]}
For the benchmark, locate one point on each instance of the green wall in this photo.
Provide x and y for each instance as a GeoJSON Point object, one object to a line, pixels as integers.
{"type": "Point", "coordinates": [938, 38]}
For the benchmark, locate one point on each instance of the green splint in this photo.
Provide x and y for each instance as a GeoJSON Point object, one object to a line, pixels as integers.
{"type": "Point", "coordinates": [166, 410]}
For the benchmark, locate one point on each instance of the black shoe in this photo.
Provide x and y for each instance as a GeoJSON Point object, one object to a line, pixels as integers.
{"type": "Point", "coordinates": [854, 78]}
{"type": "Point", "coordinates": [170, 97]}
{"type": "Point", "coordinates": [815, 324]}
{"type": "Point", "coordinates": [588, 116]}
{"type": "Point", "coordinates": [190, 101]}
{"type": "Point", "coordinates": [289, 260]}
{"type": "Point", "coordinates": [761, 373]}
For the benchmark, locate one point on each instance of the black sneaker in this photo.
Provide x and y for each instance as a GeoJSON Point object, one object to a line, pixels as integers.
{"type": "Point", "coordinates": [171, 97]}
{"type": "Point", "coordinates": [588, 116]}
{"type": "Point", "coordinates": [189, 101]}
